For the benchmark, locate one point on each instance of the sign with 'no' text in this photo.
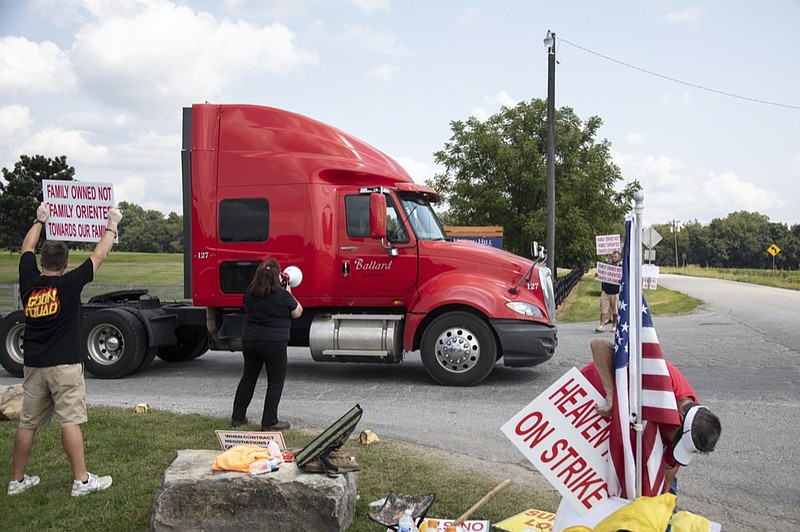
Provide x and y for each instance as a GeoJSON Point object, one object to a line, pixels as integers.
{"type": "Point", "coordinates": [78, 210]}
{"type": "Point", "coordinates": [563, 436]}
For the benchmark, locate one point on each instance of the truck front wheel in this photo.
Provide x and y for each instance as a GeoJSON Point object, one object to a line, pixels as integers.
{"type": "Point", "coordinates": [12, 332]}
{"type": "Point", "coordinates": [114, 343]}
{"type": "Point", "coordinates": [458, 349]}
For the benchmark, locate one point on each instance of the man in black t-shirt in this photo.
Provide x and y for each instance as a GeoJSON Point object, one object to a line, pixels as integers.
{"type": "Point", "coordinates": [53, 369]}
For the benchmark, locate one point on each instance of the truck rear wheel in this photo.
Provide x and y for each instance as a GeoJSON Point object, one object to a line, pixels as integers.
{"type": "Point", "coordinates": [12, 332]}
{"type": "Point", "coordinates": [190, 345]}
{"type": "Point", "coordinates": [458, 349]}
{"type": "Point", "coordinates": [114, 343]}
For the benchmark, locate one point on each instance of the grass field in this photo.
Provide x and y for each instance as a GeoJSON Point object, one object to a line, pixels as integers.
{"type": "Point", "coordinates": [583, 303]}
{"type": "Point", "coordinates": [136, 450]}
{"type": "Point", "coordinates": [776, 278]}
{"type": "Point", "coordinates": [120, 268]}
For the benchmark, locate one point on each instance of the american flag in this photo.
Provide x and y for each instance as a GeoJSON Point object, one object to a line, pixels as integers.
{"type": "Point", "coordinates": [659, 409]}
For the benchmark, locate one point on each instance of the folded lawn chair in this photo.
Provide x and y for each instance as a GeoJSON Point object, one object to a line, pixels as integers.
{"type": "Point", "coordinates": [322, 453]}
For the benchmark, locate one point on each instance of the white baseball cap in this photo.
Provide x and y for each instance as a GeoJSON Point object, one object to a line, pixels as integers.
{"type": "Point", "coordinates": [683, 448]}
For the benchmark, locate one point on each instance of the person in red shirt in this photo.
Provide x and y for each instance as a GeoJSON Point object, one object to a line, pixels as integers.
{"type": "Point", "coordinates": [700, 428]}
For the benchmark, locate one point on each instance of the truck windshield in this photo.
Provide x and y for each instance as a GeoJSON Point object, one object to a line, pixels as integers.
{"type": "Point", "coordinates": [421, 217]}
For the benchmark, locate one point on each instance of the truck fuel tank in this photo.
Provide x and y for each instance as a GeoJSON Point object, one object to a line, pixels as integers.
{"type": "Point", "coordinates": [357, 337]}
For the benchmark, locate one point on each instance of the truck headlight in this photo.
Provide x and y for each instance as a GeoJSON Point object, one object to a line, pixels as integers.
{"type": "Point", "coordinates": [526, 309]}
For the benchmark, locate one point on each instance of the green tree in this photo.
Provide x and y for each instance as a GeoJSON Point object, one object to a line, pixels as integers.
{"type": "Point", "coordinates": [745, 236]}
{"type": "Point", "coordinates": [740, 240]}
{"type": "Point", "coordinates": [21, 193]}
{"type": "Point", "coordinates": [672, 234]}
{"type": "Point", "coordinates": [495, 174]}
{"type": "Point", "coordinates": [148, 231]}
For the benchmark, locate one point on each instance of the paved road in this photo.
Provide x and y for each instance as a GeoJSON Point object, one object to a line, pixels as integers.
{"type": "Point", "coordinates": [739, 351]}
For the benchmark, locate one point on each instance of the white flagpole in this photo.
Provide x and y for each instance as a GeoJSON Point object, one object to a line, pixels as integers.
{"type": "Point", "coordinates": [635, 356]}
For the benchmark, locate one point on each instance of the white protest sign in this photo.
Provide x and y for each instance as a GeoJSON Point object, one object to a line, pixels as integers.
{"type": "Point", "coordinates": [650, 276]}
{"type": "Point", "coordinates": [78, 210]}
{"type": "Point", "coordinates": [229, 438]}
{"type": "Point", "coordinates": [560, 433]}
{"type": "Point", "coordinates": [607, 244]}
{"type": "Point", "coordinates": [608, 273]}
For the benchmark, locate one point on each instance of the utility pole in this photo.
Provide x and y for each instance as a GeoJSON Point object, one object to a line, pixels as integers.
{"type": "Point", "coordinates": [675, 233]}
{"type": "Point", "coordinates": [550, 44]}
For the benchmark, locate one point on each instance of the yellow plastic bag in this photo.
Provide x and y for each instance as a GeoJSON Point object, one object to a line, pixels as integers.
{"type": "Point", "coordinates": [645, 514]}
{"type": "Point", "coordinates": [684, 521]}
{"type": "Point", "coordinates": [239, 458]}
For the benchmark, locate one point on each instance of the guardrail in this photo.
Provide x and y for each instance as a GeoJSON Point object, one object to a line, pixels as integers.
{"type": "Point", "coordinates": [564, 285]}
{"type": "Point", "coordinates": [10, 296]}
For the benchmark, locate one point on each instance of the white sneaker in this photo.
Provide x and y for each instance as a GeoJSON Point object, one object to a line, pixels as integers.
{"type": "Point", "coordinates": [94, 483]}
{"type": "Point", "coordinates": [16, 487]}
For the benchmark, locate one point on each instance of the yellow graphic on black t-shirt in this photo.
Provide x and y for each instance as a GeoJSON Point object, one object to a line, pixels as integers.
{"type": "Point", "coordinates": [43, 303]}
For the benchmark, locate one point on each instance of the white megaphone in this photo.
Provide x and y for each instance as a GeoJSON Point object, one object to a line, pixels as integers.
{"type": "Point", "coordinates": [295, 275]}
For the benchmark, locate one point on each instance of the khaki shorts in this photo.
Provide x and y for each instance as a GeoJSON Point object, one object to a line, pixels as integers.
{"type": "Point", "coordinates": [58, 389]}
{"type": "Point", "coordinates": [609, 304]}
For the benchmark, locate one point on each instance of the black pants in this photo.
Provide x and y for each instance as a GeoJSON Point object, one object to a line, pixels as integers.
{"type": "Point", "coordinates": [256, 355]}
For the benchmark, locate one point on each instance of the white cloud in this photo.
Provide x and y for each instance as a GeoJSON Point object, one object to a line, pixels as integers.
{"type": "Point", "coordinates": [133, 189]}
{"type": "Point", "coordinates": [729, 189]}
{"type": "Point", "coordinates": [29, 67]}
{"type": "Point", "coordinates": [676, 190]}
{"type": "Point", "coordinates": [150, 51]}
{"type": "Point", "coordinates": [500, 99]}
{"type": "Point", "coordinates": [383, 72]}
{"type": "Point", "coordinates": [54, 141]}
{"type": "Point", "coordinates": [274, 9]}
{"type": "Point", "coordinates": [15, 120]}
{"type": "Point", "coordinates": [371, 40]}
{"type": "Point", "coordinates": [418, 170]}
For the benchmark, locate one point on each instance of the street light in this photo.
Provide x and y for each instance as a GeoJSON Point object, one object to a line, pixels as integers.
{"type": "Point", "coordinates": [550, 237]}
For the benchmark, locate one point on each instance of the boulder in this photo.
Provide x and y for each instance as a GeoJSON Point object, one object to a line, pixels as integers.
{"type": "Point", "coordinates": [10, 402]}
{"type": "Point", "coordinates": [195, 497]}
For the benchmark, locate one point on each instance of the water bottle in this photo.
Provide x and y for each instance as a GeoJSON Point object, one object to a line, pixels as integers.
{"type": "Point", "coordinates": [260, 467]}
{"type": "Point", "coordinates": [406, 523]}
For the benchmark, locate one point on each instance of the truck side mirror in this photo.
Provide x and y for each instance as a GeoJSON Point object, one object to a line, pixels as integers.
{"type": "Point", "coordinates": [377, 215]}
{"type": "Point", "coordinates": [534, 249]}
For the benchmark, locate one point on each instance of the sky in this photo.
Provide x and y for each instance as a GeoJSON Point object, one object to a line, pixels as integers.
{"type": "Point", "coordinates": [700, 100]}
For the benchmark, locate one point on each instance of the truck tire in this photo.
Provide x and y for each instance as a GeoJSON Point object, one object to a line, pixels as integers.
{"type": "Point", "coordinates": [458, 349]}
{"type": "Point", "coordinates": [113, 343]}
{"type": "Point", "coordinates": [190, 345]}
{"type": "Point", "coordinates": [12, 332]}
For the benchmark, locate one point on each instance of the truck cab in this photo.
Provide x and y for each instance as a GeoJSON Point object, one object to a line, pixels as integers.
{"type": "Point", "coordinates": [380, 277]}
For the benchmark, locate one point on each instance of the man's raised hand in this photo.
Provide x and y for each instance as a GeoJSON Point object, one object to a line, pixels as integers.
{"type": "Point", "coordinates": [43, 212]}
{"type": "Point", "coordinates": [114, 215]}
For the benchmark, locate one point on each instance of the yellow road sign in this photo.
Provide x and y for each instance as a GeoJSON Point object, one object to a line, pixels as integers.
{"type": "Point", "coordinates": [773, 250]}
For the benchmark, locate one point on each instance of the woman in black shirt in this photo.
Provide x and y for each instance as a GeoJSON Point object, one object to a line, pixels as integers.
{"type": "Point", "coordinates": [269, 309]}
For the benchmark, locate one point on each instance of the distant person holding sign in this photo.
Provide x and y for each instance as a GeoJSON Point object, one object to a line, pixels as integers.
{"type": "Point", "coordinates": [53, 368]}
{"type": "Point", "coordinates": [609, 298]}
{"type": "Point", "coordinates": [700, 428]}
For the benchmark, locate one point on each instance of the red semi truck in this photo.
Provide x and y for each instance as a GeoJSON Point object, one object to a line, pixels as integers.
{"type": "Point", "coordinates": [379, 276]}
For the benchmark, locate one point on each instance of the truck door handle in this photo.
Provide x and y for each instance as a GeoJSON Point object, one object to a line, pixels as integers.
{"type": "Point", "coordinates": [346, 269]}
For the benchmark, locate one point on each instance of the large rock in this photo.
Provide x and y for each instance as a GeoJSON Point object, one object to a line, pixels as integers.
{"type": "Point", "coordinates": [10, 402]}
{"type": "Point", "coordinates": [194, 497]}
